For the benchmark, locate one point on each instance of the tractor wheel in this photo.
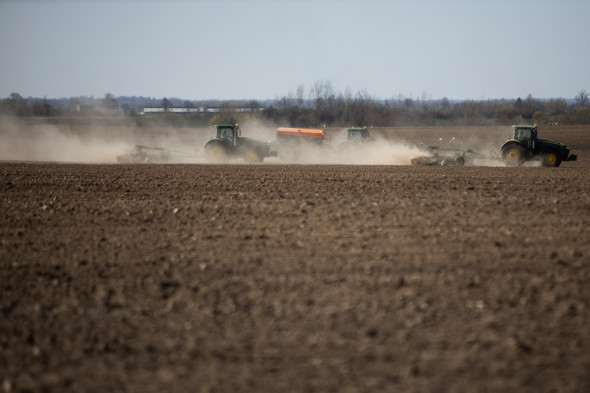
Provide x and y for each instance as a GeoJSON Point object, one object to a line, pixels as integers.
{"type": "Point", "coordinates": [252, 156]}
{"type": "Point", "coordinates": [514, 154]}
{"type": "Point", "coordinates": [215, 152]}
{"type": "Point", "coordinates": [460, 161]}
{"type": "Point", "coordinates": [550, 158]}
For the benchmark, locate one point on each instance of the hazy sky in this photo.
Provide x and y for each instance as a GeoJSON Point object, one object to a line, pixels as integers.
{"type": "Point", "coordinates": [259, 49]}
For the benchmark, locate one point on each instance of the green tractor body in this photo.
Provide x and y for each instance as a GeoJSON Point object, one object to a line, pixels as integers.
{"type": "Point", "coordinates": [356, 139]}
{"type": "Point", "coordinates": [357, 135]}
{"type": "Point", "coordinates": [229, 142]}
{"type": "Point", "coordinates": [526, 146]}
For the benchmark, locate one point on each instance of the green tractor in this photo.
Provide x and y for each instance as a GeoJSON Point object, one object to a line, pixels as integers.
{"type": "Point", "coordinates": [525, 146]}
{"type": "Point", "coordinates": [357, 135]}
{"type": "Point", "coordinates": [355, 138]}
{"type": "Point", "coordinates": [229, 143]}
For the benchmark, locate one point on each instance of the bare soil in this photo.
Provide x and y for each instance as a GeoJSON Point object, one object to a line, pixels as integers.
{"type": "Point", "coordinates": [229, 278]}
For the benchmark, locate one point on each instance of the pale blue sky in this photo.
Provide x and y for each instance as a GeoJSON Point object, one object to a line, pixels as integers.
{"type": "Point", "coordinates": [259, 49]}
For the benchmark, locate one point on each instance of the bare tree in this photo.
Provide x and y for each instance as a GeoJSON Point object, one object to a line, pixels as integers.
{"type": "Point", "coordinates": [166, 104]}
{"type": "Point", "coordinates": [299, 96]}
{"type": "Point", "coordinates": [15, 105]}
{"type": "Point", "coordinates": [556, 106]}
{"type": "Point", "coordinates": [227, 113]}
{"type": "Point", "coordinates": [253, 105]}
{"type": "Point", "coordinates": [109, 102]}
{"type": "Point", "coordinates": [582, 97]}
{"type": "Point", "coordinates": [322, 95]}
{"type": "Point", "coordinates": [320, 92]}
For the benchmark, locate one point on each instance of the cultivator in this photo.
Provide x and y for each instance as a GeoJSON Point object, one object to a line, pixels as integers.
{"type": "Point", "coordinates": [151, 155]}
{"type": "Point", "coordinates": [435, 155]}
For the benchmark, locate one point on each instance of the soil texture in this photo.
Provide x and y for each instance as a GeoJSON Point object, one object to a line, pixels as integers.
{"type": "Point", "coordinates": [298, 278]}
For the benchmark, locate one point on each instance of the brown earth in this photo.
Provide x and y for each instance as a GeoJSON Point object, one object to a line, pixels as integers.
{"type": "Point", "coordinates": [225, 278]}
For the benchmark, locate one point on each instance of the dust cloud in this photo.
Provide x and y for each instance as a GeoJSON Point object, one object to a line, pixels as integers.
{"type": "Point", "coordinates": [332, 151]}
{"type": "Point", "coordinates": [373, 153]}
{"type": "Point", "coordinates": [253, 128]}
{"type": "Point", "coordinates": [20, 141]}
{"type": "Point", "coordinates": [92, 143]}
{"type": "Point", "coordinates": [49, 143]}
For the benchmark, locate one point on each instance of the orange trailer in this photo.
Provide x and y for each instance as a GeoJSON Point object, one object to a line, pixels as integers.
{"type": "Point", "coordinates": [291, 141]}
{"type": "Point", "coordinates": [301, 132]}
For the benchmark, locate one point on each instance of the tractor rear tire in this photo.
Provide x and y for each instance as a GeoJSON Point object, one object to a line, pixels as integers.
{"type": "Point", "coordinates": [514, 154]}
{"type": "Point", "coordinates": [550, 158]}
{"type": "Point", "coordinates": [216, 152]}
{"type": "Point", "coordinates": [253, 156]}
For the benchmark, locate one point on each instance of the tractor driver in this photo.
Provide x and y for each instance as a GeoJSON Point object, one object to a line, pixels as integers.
{"type": "Point", "coordinates": [525, 136]}
{"type": "Point", "coordinates": [226, 134]}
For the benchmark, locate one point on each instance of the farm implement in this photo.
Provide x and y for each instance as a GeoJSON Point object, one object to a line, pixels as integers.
{"type": "Point", "coordinates": [292, 142]}
{"type": "Point", "coordinates": [151, 155]}
{"type": "Point", "coordinates": [435, 155]}
{"type": "Point", "coordinates": [522, 147]}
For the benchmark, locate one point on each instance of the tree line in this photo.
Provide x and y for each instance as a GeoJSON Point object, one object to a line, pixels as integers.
{"type": "Point", "coordinates": [319, 106]}
{"type": "Point", "coordinates": [322, 106]}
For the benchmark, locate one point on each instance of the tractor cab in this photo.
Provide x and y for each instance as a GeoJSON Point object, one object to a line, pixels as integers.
{"type": "Point", "coordinates": [357, 134]}
{"type": "Point", "coordinates": [527, 135]}
{"type": "Point", "coordinates": [228, 133]}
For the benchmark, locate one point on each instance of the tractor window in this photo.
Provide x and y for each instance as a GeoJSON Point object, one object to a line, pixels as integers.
{"type": "Point", "coordinates": [524, 134]}
{"type": "Point", "coordinates": [227, 134]}
{"type": "Point", "coordinates": [357, 134]}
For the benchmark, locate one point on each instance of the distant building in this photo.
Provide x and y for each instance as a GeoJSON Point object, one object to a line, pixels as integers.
{"type": "Point", "coordinates": [200, 109]}
{"type": "Point", "coordinates": [172, 110]}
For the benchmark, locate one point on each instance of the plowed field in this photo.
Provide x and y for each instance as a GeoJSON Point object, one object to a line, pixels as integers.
{"type": "Point", "coordinates": [343, 278]}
